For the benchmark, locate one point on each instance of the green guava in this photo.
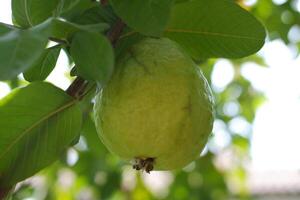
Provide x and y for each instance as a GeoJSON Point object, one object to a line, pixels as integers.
{"type": "Point", "coordinates": [157, 109]}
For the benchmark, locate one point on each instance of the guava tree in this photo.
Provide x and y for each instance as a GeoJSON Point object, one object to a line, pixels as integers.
{"type": "Point", "coordinates": [40, 122]}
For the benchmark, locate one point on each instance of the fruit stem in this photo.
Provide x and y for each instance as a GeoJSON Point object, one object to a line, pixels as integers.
{"type": "Point", "coordinates": [114, 34]}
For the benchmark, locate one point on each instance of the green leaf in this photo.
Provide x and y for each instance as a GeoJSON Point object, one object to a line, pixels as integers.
{"type": "Point", "coordinates": [78, 9]}
{"type": "Point", "coordinates": [148, 17]}
{"type": "Point", "coordinates": [93, 56]}
{"type": "Point", "coordinates": [40, 70]}
{"type": "Point", "coordinates": [64, 29]}
{"type": "Point", "coordinates": [37, 124]}
{"type": "Point", "coordinates": [124, 43]}
{"type": "Point", "coordinates": [65, 5]}
{"type": "Point", "coordinates": [93, 140]}
{"type": "Point", "coordinates": [21, 48]}
{"type": "Point", "coordinates": [27, 13]}
{"type": "Point", "coordinates": [97, 14]}
{"type": "Point", "coordinates": [215, 28]}
{"type": "Point", "coordinates": [5, 28]}
{"type": "Point", "coordinates": [180, 1]}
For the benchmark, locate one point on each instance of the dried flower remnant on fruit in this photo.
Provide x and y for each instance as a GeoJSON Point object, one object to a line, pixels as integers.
{"type": "Point", "coordinates": [144, 164]}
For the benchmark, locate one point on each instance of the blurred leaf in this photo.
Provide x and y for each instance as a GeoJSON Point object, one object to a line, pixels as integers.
{"type": "Point", "coordinates": [119, 195]}
{"type": "Point", "coordinates": [37, 124]}
{"type": "Point", "coordinates": [65, 30]}
{"type": "Point", "coordinates": [112, 185]}
{"type": "Point", "coordinates": [278, 18]}
{"type": "Point", "coordinates": [257, 59]}
{"type": "Point", "coordinates": [28, 13]}
{"type": "Point", "coordinates": [93, 56]}
{"type": "Point", "coordinates": [93, 140]}
{"type": "Point", "coordinates": [5, 28]}
{"type": "Point", "coordinates": [40, 70]}
{"type": "Point", "coordinates": [212, 177]}
{"type": "Point", "coordinates": [200, 183]}
{"type": "Point", "coordinates": [241, 143]}
{"type": "Point", "coordinates": [21, 48]}
{"type": "Point", "coordinates": [25, 191]}
{"type": "Point", "coordinates": [180, 1]}
{"type": "Point", "coordinates": [215, 28]}
{"type": "Point", "coordinates": [140, 191]}
{"type": "Point", "coordinates": [148, 17]}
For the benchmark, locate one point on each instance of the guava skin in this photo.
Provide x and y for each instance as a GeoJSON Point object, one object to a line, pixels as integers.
{"type": "Point", "coordinates": [157, 105]}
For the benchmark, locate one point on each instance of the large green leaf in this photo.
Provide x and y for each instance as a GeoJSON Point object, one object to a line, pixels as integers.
{"type": "Point", "coordinates": [21, 48]}
{"type": "Point", "coordinates": [40, 70]}
{"type": "Point", "coordinates": [64, 29]}
{"type": "Point", "coordinates": [76, 10]}
{"type": "Point", "coordinates": [27, 13]}
{"type": "Point", "coordinates": [215, 28]}
{"type": "Point", "coordinates": [65, 5]}
{"type": "Point", "coordinates": [149, 17]}
{"type": "Point", "coordinates": [5, 28]}
{"type": "Point", "coordinates": [97, 14]}
{"type": "Point", "coordinates": [93, 56]}
{"type": "Point", "coordinates": [37, 124]}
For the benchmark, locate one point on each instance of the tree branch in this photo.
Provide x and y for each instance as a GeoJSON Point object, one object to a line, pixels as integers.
{"type": "Point", "coordinates": [3, 193]}
{"type": "Point", "coordinates": [114, 34]}
{"type": "Point", "coordinates": [79, 84]}
{"type": "Point", "coordinates": [104, 2]}
{"type": "Point", "coordinates": [76, 88]}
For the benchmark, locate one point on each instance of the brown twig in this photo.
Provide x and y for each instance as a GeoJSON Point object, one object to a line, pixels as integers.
{"type": "Point", "coordinates": [78, 86]}
{"type": "Point", "coordinates": [3, 193]}
{"type": "Point", "coordinates": [104, 2]}
{"type": "Point", "coordinates": [114, 34]}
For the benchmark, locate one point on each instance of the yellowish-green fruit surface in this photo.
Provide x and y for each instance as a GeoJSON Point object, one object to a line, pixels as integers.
{"type": "Point", "coordinates": [157, 105]}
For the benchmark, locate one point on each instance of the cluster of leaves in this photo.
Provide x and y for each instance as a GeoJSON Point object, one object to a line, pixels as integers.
{"type": "Point", "coordinates": [279, 19]}
{"type": "Point", "coordinates": [40, 121]}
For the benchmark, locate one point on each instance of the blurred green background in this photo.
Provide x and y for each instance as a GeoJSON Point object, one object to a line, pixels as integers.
{"type": "Point", "coordinates": [88, 171]}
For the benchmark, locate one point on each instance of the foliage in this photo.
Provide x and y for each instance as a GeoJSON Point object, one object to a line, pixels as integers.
{"type": "Point", "coordinates": [31, 139]}
{"type": "Point", "coordinates": [44, 118]}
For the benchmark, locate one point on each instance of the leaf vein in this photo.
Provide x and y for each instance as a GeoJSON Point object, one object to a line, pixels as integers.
{"type": "Point", "coordinates": [27, 14]}
{"type": "Point", "coordinates": [198, 32]}
{"type": "Point", "coordinates": [35, 125]}
{"type": "Point", "coordinates": [211, 33]}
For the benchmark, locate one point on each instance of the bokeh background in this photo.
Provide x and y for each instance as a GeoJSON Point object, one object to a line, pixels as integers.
{"type": "Point", "coordinates": [252, 154]}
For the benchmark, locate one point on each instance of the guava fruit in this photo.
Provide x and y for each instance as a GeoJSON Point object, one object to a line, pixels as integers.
{"type": "Point", "coordinates": [157, 109]}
